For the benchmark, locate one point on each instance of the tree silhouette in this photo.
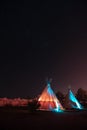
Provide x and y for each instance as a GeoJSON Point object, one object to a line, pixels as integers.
{"type": "Point", "coordinates": [60, 96]}
{"type": "Point", "coordinates": [81, 95]}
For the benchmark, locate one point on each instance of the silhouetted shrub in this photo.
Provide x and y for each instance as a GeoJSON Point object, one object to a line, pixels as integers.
{"type": "Point", "coordinates": [33, 106]}
{"type": "Point", "coordinates": [60, 96]}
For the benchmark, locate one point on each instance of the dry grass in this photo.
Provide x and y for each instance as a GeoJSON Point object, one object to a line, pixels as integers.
{"type": "Point", "coordinates": [22, 119]}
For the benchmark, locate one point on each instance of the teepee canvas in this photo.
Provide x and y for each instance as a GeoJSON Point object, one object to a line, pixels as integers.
{"type": "Point", "coordinates": [71, 101]}
{"type": "Point", "coordinates": [48, 100]}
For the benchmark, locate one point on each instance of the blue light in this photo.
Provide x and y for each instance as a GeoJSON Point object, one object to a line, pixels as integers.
{"type": "Point", "coordinates": [49, 90]}
{"type": "Point", "coordinates": [51, 93]}
{"type": "Point", "coordinates": [74, 100]}
{"type": "Point", "coordinates": [57, 109]}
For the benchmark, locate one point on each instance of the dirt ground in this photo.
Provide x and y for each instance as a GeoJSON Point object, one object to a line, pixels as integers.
{"type": "Point", "coordinates": [24, 120]}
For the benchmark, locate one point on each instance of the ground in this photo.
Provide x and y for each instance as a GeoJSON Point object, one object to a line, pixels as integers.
{"type": "Point", "coordinates": [16, 119]}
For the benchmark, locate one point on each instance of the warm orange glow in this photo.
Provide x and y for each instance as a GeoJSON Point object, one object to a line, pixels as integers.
{"type": "Point", "coordinates": [49, 100]}
{"type": "Point", "coordinates": [13, 102]}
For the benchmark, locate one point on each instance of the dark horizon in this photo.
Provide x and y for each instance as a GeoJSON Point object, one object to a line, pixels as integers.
{"type": "Point", "coordinates": [40, 40]}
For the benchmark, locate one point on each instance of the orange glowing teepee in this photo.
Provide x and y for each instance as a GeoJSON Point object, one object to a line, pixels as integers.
{"type": "Point", "coordinates": [48, 100]}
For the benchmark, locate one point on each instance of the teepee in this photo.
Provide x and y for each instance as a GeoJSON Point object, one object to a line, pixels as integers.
{"type": "Point", "coordinates": [48, 100]}
{"type": "Point", "coordinates": [71, 101]}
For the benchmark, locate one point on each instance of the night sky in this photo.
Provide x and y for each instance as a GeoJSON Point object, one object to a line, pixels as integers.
{"type": "Point", "coordinates": [40, 40]}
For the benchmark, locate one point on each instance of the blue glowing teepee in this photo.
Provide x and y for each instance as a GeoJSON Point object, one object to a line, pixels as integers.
{"type": "Point", "coordinates": [74, 102]}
